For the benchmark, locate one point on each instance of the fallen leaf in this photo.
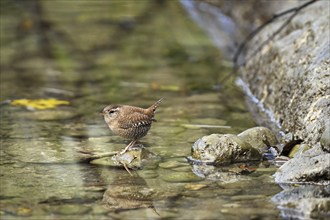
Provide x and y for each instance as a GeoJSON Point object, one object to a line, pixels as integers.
{"type": "Point", "coordinates": [39, 104]}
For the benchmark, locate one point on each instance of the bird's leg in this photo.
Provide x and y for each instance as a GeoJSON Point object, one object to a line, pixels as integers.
{"type": "Point", "coordinates": [128, 146]}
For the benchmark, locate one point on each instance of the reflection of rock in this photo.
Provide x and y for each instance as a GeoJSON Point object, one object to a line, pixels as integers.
{"type": "Point", "coordinates": [224, 149]}
{"type": "Point", "coordinates": [304, 202]}
{"type": "Point", "coordinates": [311, 166]}
{"type": "Point", "coordinates": [225, 175]}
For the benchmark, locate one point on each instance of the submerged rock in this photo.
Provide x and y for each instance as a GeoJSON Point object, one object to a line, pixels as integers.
{"type": "Point", "coordinates": [224, 149]}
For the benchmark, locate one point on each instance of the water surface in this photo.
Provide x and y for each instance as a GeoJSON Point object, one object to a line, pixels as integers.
{"type": "Point", "coordinates": [97, 53]}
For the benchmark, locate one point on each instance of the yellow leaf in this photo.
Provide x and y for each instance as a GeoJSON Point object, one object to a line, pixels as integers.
{"type": "Point", "coordinates": [39, 103]}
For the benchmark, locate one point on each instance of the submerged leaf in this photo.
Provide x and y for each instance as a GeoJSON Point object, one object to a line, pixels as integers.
{"type": "Point", "coordinates": [40, 104]}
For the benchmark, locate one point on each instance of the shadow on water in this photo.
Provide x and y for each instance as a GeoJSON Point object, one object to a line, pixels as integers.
{"type": "Point", "coordinates": [96, 53]}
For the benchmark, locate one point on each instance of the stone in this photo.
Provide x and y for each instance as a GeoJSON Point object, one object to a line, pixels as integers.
{"type": "Point", "coordinates": [133, 158]}
{"type": "Point", "coordinates": [257, 137]}
{"type": "Point", "coordinates": [223, 149]}
{"type": "Point", "coordinates": [311, 166]}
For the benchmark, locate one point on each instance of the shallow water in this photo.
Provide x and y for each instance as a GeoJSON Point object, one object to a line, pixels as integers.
{"type": "Point", "coordinates": [94, 54]}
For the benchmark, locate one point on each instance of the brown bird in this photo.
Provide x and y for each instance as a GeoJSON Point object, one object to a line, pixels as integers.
{"type": "Point", "coordinates": [129, 121]}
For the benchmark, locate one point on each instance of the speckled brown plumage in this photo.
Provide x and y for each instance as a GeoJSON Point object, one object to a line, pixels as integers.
{"type": "Point", "coordinates": [129, 121]}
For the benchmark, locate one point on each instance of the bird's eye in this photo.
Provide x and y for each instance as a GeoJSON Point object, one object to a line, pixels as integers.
{"type": "Point", "coordinates": [111, 111]}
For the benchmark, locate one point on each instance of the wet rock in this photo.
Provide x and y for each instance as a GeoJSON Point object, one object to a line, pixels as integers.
{"type": "Point", "coordinates": [304, 202]}
{"type": "Point", "coordinates": [133, 158]}
{"type": "Point", "coordinates": [257, 137]}
{"type": "Point", "coordinates": [311, 166]}
{"type": "Point", "coordinates": [223, 149]}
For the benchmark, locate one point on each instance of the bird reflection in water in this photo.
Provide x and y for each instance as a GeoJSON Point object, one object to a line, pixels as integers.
{"type": "Point", "coordinates": [129, 192]}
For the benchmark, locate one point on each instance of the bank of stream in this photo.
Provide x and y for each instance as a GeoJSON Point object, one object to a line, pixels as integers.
{"type": "Point", "coordinates": [89, 55]}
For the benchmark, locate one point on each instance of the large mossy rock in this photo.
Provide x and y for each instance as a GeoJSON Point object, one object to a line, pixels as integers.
{"type": "Point", "coordinates": [223, 149]}
{"type": "Point", "coordinates": [259, 137]}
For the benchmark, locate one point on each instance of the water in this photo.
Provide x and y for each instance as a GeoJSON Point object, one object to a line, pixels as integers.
{"type": "Point", "coordinates": [96, 53]}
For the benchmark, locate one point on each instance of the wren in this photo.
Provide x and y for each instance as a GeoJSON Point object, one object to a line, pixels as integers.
{"type": "Point", "coordinates": [129, 121]}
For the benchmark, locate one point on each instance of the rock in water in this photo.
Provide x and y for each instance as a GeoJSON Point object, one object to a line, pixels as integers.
{"type": "Point", "coordinates": [224, 149]}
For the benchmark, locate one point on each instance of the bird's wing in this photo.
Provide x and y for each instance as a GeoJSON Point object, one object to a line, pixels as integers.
{"type": "Point", "coordinates": [134, 120]}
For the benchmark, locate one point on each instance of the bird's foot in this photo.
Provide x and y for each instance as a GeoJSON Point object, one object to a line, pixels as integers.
{"type": "Point", "coordinates": [132, 147]}
{"type": "Point", "coordinates": [123, 151]}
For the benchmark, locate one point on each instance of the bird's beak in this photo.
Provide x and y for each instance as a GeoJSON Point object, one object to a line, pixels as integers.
{"type": "Point", "coordinates": [101, 113]}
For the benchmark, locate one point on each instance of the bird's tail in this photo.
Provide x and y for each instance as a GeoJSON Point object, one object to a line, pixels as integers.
{"type": "Point", "coordinates": [155, 105]}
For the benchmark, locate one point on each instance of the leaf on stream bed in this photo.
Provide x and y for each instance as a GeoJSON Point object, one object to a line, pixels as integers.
{"type": "Point", "coordinates": [40, 104]}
